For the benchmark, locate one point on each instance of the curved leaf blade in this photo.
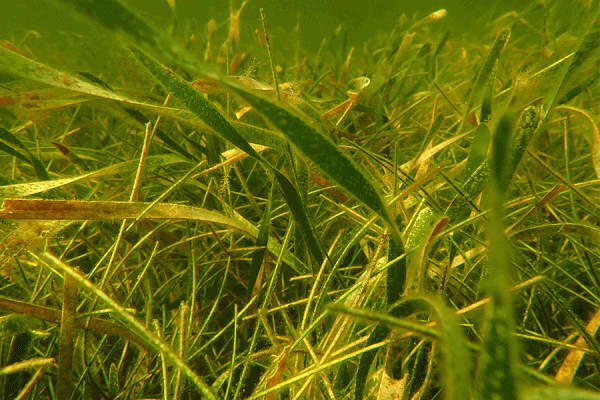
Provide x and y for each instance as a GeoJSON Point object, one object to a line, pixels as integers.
{"type": "Point", "coordinates": [193, 101]}
{"type": "Point", "coordinates": [318, 148]}
{"type": "Point", "coordinates": [458, 368]}
{"type": "Point", "coordinates": [73, 210]}
{"type": "Point", "coordinates": [158, 344]}
{"type": "Point", "coordinates": [204, 110]}
{"type": "Point", "coordinates": [38, 167]}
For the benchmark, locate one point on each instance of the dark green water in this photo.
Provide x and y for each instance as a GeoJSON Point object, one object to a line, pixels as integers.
{"type": "Point", "coordinates": [360, 20]}
{"type": "Point", "coordinates": [318, 19]}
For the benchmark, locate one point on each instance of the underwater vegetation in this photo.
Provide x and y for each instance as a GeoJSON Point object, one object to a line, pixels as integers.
{"type": "Point", "coordinates": [200, 211]}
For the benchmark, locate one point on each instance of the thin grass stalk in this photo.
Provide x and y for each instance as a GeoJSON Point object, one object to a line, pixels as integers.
{"type": "Point", "coordinates": [158, 344]}
{"type": "Point", "coordinates": [64, 384]}
{"type": "Point", "coordinates": [233, 352]}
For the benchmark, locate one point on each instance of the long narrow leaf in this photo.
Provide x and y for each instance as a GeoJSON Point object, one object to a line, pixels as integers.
{"type": "Point", "coordinates": [15, 63]}
{"type": "Point", "coordinates": [35, 209]}
{"type": "Point", "coordinates": [589, 44]}
{"type": "Point", "coordinates": [258, 255]}
{"type": "Point", "coordinates": [485, 71]}
{"type": "Point", "coordinates": [9, 150]}
{"type": "Point", "coordinates": [195, 102]}
{"type": "Point", "coordinates": [157, 343]}
{"type": "Point", "coordinates": [498, 372]}
{"type": "Point", "coordinates": [527, 125]}
{"type": "Point", "coordinates": [319, 149]}
{"type": "Point", "coordinates": [28, 189]}
{"type": "Point", "coordinates": [380, 333]}
{"type": "Point", "coordinates": [389, 320]}
{"type": "Point", "coordinates": [38, 167]}
{"type": "Point", "coordinates": [203, 109]}
{"type": "Point", "coordinates": [583, 57]}
{"type": "Point", "coordinates": [479, 149]}
{"type": "Point", "coordinates": [454, 345]}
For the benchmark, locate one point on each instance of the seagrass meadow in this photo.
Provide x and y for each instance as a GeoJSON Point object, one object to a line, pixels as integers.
{"type": "Point", "coordinates": [217, 209]}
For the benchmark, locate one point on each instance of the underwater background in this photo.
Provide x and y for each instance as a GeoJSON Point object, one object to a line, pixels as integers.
{"type": "Point", "coordinates": [359, 20]}
{"type": "Point", "coordinates": [380, 97]}
{"type": "Point", "coordinates": [318, 19]}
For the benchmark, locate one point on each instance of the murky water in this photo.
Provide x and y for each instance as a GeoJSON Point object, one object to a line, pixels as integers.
{"type": "Point", "coordinates": [360, 20]}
